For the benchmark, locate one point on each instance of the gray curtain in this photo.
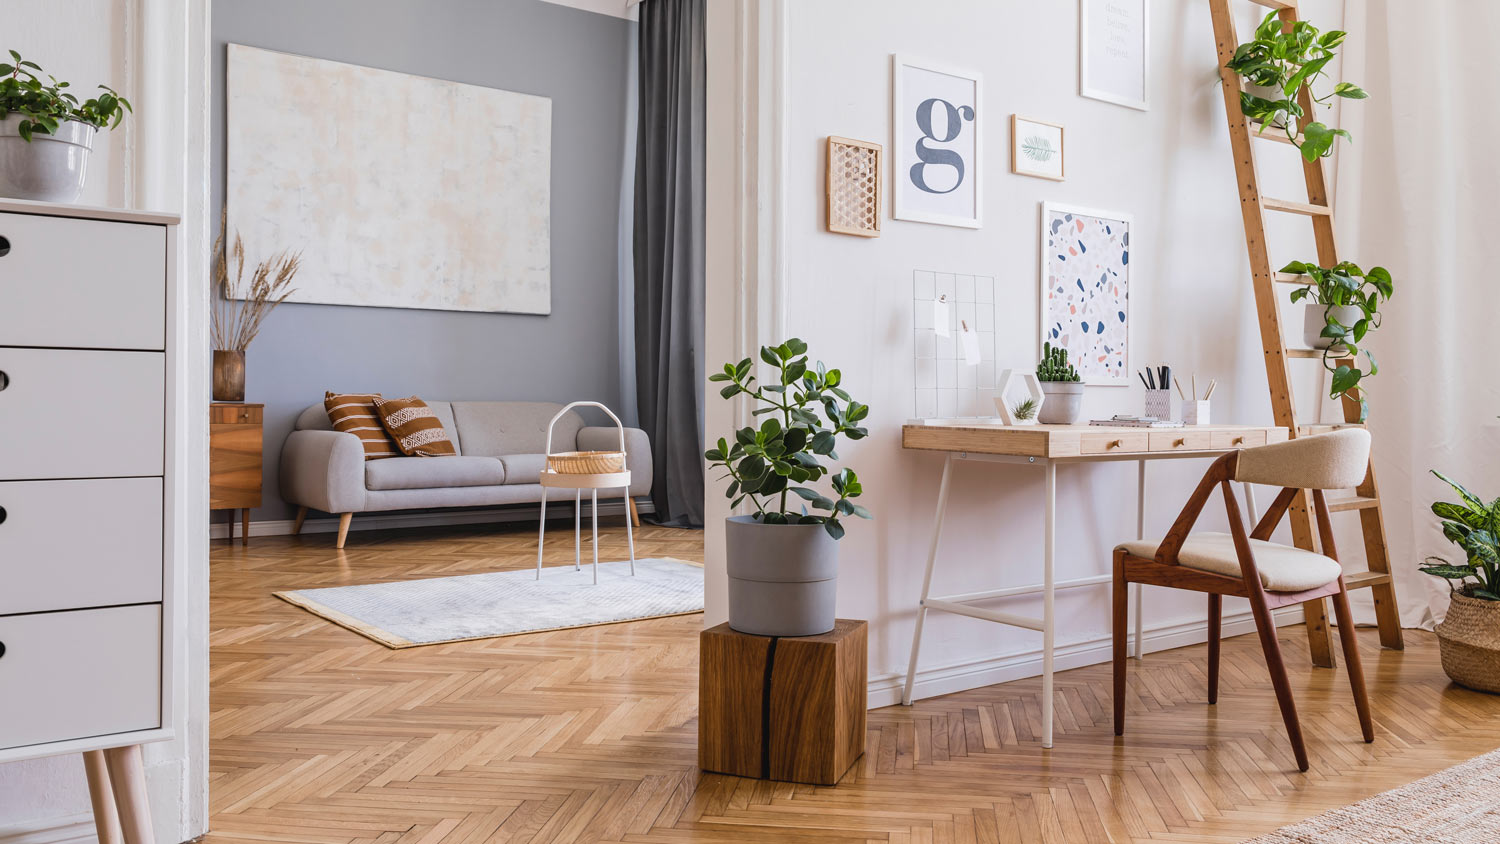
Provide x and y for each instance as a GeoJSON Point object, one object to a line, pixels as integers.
{"type": "Point", "coordinates": [669, 301]}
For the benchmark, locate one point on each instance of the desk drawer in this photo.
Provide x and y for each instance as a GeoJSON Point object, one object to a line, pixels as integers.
{"type": "Point", "coordinates": [1225, 440]}
{"type": "Point", "coordinates": [77, 544]}
{"type": "Point", "coordinates": [71, 675]}
{"type": "Point", "coordinates": [1181, 439]}
{"type": "Point", "coordinates": [82, 283]}
{"type": "Point", "coordinates": [1113, 442]}
{"type": "Point", "coordinates": [81, 414]}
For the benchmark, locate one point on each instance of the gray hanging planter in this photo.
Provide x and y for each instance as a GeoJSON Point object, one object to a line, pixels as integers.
{"type": "Point", "coordinates": [48, 168]}
{"type": "Point", "coordinates": [783, 579]}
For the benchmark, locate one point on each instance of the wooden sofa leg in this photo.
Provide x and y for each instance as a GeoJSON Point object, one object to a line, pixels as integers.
{"type": "Point", "coordinates": [301, 517]}
{"type": "Point", "coordinates": [635, 515]}
{"type": "Point", "coordinates": [344, 520]}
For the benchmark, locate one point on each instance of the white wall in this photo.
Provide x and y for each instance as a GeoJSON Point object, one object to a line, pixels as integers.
{"type": "Point", "coordinates": [850, 298]}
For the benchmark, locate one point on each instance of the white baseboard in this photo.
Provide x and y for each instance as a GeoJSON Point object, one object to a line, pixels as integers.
{"type": "Point", "coordinates": [388, 521]}
{"type": "Point", "coordinates": [70, 829]}
{"type": "Point", "coordinates": [885, 689]}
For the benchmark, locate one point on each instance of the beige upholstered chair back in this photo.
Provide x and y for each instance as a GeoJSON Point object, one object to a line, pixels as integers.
{"type": "Point", "coordinates": [1335, 460]}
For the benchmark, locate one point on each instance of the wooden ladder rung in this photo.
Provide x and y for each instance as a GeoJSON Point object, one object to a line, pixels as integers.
{"type": "Point", "coordinates": [1271, 133]}
{"type": "Point", "coordinates": [1304, 353]}
{"type": "Point", "coordinates": [1290, 278]}
{"type": "Point", "coordinates": [1276, 4]}
{"type": "Point", "coordinates": [1361, 579]}
{"type": "Point", "coordinates": [1358, 502]}
{"type": "Point", "coordinates": [1290, 207]}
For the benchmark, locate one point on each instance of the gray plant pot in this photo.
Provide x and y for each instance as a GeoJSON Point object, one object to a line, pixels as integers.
{"type": "Point", "coordinates": [1064, 402]}
{"type": "Point", "coordinates": [783, 579]}
{"type": "Point", "coordinates": [1313, 320]}
{"type": "Point", "coordinates": [49, 168]}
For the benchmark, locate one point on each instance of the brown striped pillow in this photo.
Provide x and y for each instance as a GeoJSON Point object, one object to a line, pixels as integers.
{"type": "Point", "coordinates": [415, 428]}
{"type": "Point", "coordinates": [354, 413]}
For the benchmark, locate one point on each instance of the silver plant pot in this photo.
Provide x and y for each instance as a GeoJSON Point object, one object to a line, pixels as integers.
{"type": "Point", "coordinates": [1313, 320]}
{"type": "Point", "coordinates": [49, 168]}
{"type": "Point", "coordinates": [1064, 402]}
{"type": "Point", "coordinates": [783, 579]}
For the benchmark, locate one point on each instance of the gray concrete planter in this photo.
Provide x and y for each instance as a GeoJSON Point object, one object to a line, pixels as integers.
{"type": "Point", "coordinates": [49, 168]}
{"type": "Point", "coordinates": [1064, 402]}
{"type": "Point", "coordinates": [783, 579]}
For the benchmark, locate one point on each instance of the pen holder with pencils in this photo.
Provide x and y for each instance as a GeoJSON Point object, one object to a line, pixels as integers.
{"type": "Point", "coordinates": [1159, 404]}
{"type": "Point", "coordinates": [1195, 412]}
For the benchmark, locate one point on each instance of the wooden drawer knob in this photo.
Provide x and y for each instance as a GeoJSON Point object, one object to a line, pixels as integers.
{"type": "Point", "coordinates": [1237, 441]}
{"type": "Point", "coordinates": [1115, 443]}
{"type": "Point", "coordinates": [1179, 442]}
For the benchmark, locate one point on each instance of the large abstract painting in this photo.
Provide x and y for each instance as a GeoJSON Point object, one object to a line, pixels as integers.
{"type": "Point", "coordinates": [400, 191]}
{"type": "Point", "coordinates": [1085, 296]}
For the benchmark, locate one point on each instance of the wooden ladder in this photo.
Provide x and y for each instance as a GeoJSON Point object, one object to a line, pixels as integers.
{"type": "Point", "coordinates": [1253, 206]}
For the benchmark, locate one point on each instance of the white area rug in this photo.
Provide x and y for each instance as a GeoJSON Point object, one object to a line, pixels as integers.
{"type": "Point", "coordinates": [1455, 806]}
{"type": "Point", "coordinates": [483, 606]}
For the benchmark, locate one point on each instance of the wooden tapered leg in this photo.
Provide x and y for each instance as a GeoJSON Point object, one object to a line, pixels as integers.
{"type": "Point", "coordinates": [635, 515]}
{"type": "Point", "coordinates": [1215, 619]}
{"type": "Point", "coordinates": [127, 777]}
{"type": "Point", "coordinates": [344, 520]}
{"type": "Point", "coordinates": [1119, 618]}
{"type": "Point", "coordinates": [301, 517]}
{"type": "Point", "coordinates": [1352, 663]}
{"type": "Point", "coordinates": [106, 818]}
{"type": "Point", "coordinates": [1265, 625]}
{"type": "Point", "coordinates": [245, 526]}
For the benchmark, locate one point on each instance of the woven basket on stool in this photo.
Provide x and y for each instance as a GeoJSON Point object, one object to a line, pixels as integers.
{"type": "Point", "coordinates": [1469, 642]}
{"type": "Point", "coordinates": [587, 462]}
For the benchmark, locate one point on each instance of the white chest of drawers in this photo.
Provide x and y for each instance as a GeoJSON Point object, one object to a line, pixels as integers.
{"type": "Point", "coordinates": [87, 570]}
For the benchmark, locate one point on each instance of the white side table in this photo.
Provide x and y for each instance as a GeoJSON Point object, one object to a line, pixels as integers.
{"type": "Point", "coordinates": [578, 483]}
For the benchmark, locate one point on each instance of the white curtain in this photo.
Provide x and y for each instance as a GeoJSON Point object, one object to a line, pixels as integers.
{"type": "Point", "coordinates": [1419, 193]}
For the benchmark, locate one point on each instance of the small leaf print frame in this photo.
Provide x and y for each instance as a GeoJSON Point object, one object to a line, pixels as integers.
{"type": "Point", "coordinates": [1036, 148]}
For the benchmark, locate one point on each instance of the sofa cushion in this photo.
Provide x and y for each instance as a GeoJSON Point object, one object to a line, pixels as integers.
{"type": "Point", "coordinates": [315, 418]}
{"type": "Point", "coordinates": [354, 413]}
{"type": "Point", "coordinates": [523, 468]}
{"type": "Point", "coordinates": [415, 428]}
{"type": "Point", "coordinates": [498, 428]}
{"type": "Point", "coordinates": [432, 473]}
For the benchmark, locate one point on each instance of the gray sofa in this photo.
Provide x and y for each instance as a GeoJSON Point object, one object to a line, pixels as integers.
{"type": "Point", "coordinates": [501, 450]}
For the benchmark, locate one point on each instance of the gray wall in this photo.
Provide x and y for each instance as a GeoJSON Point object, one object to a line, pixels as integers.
{"type": "Point", "coordinates": [578, 59]}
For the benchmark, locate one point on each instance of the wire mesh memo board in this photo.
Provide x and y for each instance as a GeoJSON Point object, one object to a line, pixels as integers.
{"type": "Point", "coordinates": [946, 385]}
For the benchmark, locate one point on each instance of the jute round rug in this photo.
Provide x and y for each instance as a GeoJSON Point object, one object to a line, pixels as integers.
{"type": "Point", "coordinates": [1460, 805]}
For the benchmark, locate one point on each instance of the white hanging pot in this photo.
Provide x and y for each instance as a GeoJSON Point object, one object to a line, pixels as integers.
{"type": "Point", "coordinates": [1313, 320]}
{"type": "Point", "coordinates": [48, 168]}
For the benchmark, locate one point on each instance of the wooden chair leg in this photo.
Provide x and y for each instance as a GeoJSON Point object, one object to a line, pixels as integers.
{"type": "Point", "coordinates": [106, 817]}
{"type": "Point", "coordinates": [635, 515]}
{"type": "Point", "coordinates": [1265, 625]}
{"type": "Point", "coordinates": [301, 517]}
{"type": "Point", "coordinates": [1119, 619]}
{"type": "Point", "coordinates": [344, 520]}
{"type": "Point", "coordinates": [1215, 622]}
{"type": "Point", "coordinates": [1352, 663]}
{"type": "Point", "coordinates": [127, 776]}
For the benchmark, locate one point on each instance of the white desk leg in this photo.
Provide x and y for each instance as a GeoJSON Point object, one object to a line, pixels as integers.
{"type": "Point", "coordinates": [541, 535]}
{"type": "Point", "coordinates": [596, 537]}
{"type": "Point", "coordinates": [937, 532]}
{"type": "Point", "coordinates": [1048, 621]}
{"type": "Point", "coordinates": [577, 529]}
{"type": "Point", "coordinates": [1140, 533]}
{"type": "Point", "coordinates": [629, 534]}
{"type": "Point", "coordinates": [1250, 505]}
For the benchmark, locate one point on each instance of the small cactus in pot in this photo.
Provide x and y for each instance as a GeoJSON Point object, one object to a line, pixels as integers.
{"type": "Point", "coordinates": [1063, 386]}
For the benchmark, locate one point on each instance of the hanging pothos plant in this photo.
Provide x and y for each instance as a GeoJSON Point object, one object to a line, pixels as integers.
{"type": "Point", "coordinates": [1283, 62]}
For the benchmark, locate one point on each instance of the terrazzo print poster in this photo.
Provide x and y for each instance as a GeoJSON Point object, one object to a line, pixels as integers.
{"type": "Point", "coordinates": [1086, 290]}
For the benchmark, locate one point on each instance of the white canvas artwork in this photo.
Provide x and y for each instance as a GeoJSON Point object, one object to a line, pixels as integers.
{"type": "Point", "coordinates": [400, 191]}
{"type": "Point", "coordinates": [1113, 50]}
{"type": "Point", "coordinates": [935, 123]}
{"type": "Point", "coordinates": [1086, 288]}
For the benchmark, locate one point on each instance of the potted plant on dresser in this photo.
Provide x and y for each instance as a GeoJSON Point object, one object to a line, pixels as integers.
{"type": "Point", "coordinates": [46, 133]}
{"type": "Point", "coordinates": [1062, 386]}
{"type": "Point", "coordinates": [1343, 305]}
{"type": "Point", "coordinates": [1469, 636]}
{"type": "Point", "coordinates": [783, 559]}
{"type": "Point", "coordinates": [239, 308]}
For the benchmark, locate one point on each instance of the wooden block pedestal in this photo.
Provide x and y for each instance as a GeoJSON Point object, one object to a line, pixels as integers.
{"type": "Point", "coordinates": [788, 709]}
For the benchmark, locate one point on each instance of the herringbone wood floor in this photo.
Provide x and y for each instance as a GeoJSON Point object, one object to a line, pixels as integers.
{"type": "Point", "coordinates": [319, 735]}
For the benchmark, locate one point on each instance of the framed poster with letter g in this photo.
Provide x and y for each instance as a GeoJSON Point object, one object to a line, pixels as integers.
{"type": "Point", "coordinates": [936, 115]}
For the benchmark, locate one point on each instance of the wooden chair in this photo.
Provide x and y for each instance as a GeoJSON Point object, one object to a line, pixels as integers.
{"type": "Point", "coordinates": [1268, 574]}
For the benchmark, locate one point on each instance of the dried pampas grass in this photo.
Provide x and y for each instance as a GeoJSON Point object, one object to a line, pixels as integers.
{"type": "Point", "coordinates": [240, 308]}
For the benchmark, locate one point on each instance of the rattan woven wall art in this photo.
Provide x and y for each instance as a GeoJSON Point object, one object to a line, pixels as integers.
{"type": "Point", "coordinates": [854, 186]}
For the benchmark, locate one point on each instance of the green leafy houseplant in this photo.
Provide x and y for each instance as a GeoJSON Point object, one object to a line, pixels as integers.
{"type": "Point", "coordinates": [1286, 61]}
{"type": "Point", "coordinates": [44, 106]}
{"type": "Point", "coordinates": [806, 411]}
{"type": "Point", "coordinates": [1054, 365]}
{"type": "Point", "coordinates": [1345, 285]}
{"type": "Point", "coordinates": [1474, 527]}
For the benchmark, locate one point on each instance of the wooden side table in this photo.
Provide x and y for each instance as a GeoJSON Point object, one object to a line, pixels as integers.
{"type": "Point", "coordinates": [788, 709]}
{"type": "Point", "coordinates": [234, 460]}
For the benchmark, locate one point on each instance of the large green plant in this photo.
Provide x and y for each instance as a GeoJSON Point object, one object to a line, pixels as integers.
{"type": "Point", "coordinates": [1345, 284]}
{"type": "Point", "coordinates": [806, 411]}
{"type": "Point", "coordinates": [44, 106]}
{"type": "Point", "coordinates": [1474, 527]}
{"type": "Point", "coordinates": [1286, 60]}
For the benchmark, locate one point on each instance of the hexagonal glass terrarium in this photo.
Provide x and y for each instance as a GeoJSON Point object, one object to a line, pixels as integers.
{"type": "Point", "coordinates": [1019, 397]}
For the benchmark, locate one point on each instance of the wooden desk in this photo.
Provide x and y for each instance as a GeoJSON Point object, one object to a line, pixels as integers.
{"type": "Point", "coordinates": [1046, 446]}
{"type": "Point", "coordinates": [234, 460]}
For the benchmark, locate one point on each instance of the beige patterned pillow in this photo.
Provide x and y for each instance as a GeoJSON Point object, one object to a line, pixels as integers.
{"type": "Point", "coordinates": [415, 428]}
{"type": "Point", "coordinates": [354, 413]}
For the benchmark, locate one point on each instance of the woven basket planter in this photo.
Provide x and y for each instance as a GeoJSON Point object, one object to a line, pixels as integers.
{"type": "Point", "coordinates": [587, 462]}
{"type": "Point", "coordinates": [1469, 643]}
